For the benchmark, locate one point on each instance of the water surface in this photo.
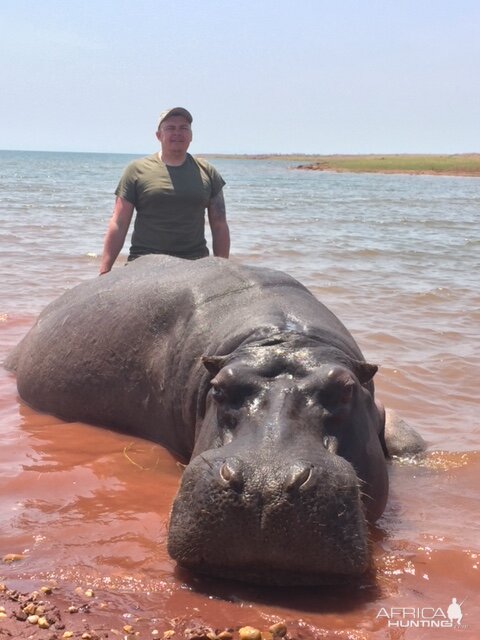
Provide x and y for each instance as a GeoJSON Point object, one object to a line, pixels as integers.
{"type": "Point", "coordinates": [395, 257]}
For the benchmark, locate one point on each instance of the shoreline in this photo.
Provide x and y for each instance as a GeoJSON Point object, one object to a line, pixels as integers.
{"type": "Point", "coordinates": [457, 165]}
{"type": "Point", "coordinates": [453, 165]}
{"type": "Point", "coordinates": [63, 611]}
{"type": "Point", "coordinates": [405, 172]}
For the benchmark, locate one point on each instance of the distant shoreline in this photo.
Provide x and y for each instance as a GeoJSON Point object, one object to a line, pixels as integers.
{"type": "Point", "coordinates": [464, 164]}
{"type": "Point", "coordinates": [457, 164]}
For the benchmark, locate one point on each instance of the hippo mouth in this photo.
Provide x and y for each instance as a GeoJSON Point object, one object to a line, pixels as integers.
{"type": "Point", "coordinates": [289, 574]}
{"type": "Point", "coordinates": [266, 573]}
{"type": "Point", "coordinates": [260, 533]}
{"type": "Point", "coordinates": [266, 576]}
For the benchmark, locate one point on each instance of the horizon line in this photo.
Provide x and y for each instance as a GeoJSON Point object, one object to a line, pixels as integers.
{"type": "Point", "coordinates": [259, 154]}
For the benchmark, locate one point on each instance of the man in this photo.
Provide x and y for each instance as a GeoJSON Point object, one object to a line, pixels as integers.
{"type": "Point", "coordinates": [170, 192]}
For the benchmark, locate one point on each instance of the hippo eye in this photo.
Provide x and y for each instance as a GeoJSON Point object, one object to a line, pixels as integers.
{"type": "Point", "coordinates": [218, 394]}
{"type": "Point", "coordinates": [233, 394]}
{"type": "Point", "coordinates": [336, 395]}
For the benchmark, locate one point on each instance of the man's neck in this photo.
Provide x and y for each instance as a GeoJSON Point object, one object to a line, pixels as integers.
{"type": "Point", "coordinates": [173, 160]}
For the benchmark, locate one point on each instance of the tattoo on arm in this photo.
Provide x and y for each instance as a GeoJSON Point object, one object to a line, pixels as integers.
{"type": "Point", "coordinates": [217, 218]}
{"type": "Point", "coordinates": [216, 208]}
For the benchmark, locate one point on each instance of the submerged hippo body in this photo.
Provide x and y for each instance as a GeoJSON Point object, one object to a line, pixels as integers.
{"type": "Point", "coordinates": [242, 371]}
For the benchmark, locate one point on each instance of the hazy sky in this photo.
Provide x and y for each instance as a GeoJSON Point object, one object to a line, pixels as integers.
{"type": "Point", "coordinates": [312, 76]}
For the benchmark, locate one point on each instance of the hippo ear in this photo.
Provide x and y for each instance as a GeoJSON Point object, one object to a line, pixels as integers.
{"type": "Point", "coordinates": [364, 371]}
{"type": "Point", "coordinates": [213, 363]}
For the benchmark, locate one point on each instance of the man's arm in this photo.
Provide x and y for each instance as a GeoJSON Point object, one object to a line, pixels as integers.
{"type": "Point", "coordinates": [217, 217]}
{"type": "Point", "coordinates": [116, 233]}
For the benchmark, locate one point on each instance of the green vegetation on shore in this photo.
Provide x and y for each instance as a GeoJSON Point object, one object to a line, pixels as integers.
{"type": "Point", "coordinates": [462, 164]}
{"type": "Point", "coordinates": [465, 164]}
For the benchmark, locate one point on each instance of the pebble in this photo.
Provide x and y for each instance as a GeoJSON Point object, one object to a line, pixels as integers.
{"type": "Point", "coordinates": [225, 635]}
{"type": "Point", "coordinates": [20, 615]}
{"type": "Point", "coordinates": [3, 615]}
{"type": "Point", "coordinates": [33, 619]}
{"type": "Point", "coordinates": [68, 634]}
{"type": "Point", "coordinates": [72, 609]}
{"type": "Point", "coordinates": [30, 609]}
{"type": "Point", "coordinates": [43, 623]}
{"type": "Point", "coordinates": [166, 634]}
{"type": "Point", "coordinates": [47, 590]}
{"type": "Point", "coordinates": [128, 628]}
{"type": "Point", "coordinates": [89, 593]}
{"type": "Point", "coordinates": [249, 633]}
{"type": "Point", "coordinates": [278, 629]}
{"type": "Point", "coordinates": [12, 557]}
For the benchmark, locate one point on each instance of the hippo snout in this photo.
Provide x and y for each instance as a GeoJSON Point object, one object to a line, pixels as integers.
{"type": "Point", "coordinates": [281, 521]}
{"type": "Point", "coordinates": [297, 475]}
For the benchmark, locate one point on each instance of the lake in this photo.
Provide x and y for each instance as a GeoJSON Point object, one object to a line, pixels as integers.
{"type": "Point", "coordinates": [396, 257]}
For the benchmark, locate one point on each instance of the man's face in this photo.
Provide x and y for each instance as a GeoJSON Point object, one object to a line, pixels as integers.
{"type": "Point", "coordinates": [175, 135]}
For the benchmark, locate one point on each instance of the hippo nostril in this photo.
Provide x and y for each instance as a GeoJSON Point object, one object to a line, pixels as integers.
{"type": "Point", "coordinates": [231, 474]}
{"type": "Point", "coordinates": [299, 477]}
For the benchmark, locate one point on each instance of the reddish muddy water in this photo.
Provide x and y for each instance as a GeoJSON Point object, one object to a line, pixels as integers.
{"type": "Point", "coordinates": [86, 507]}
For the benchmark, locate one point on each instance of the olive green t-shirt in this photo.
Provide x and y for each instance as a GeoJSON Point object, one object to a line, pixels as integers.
{"type": "Point", "coordinates": [170, 203]}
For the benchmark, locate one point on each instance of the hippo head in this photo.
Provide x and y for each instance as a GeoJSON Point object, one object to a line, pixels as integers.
{"type": "Point", "coordinates": [287, 469]}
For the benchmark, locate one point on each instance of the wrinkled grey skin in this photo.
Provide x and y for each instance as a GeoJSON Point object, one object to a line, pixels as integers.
{"type": "Point", "coordinates": [242, 371]}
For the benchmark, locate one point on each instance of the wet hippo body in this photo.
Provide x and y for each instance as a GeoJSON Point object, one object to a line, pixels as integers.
{"type": "Point", "coordinates": [244, 373]}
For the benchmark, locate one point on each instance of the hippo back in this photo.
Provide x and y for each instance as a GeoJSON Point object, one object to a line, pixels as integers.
{"type": "Point", "coordinates": [124, 350]}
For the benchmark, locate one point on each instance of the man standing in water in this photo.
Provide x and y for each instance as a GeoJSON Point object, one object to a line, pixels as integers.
{"type": "Point", "coordinates": [170, 191]}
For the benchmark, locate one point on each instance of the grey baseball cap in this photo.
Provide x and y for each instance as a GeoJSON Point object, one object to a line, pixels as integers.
{"type": "Point", "coordinates": [176, 111]}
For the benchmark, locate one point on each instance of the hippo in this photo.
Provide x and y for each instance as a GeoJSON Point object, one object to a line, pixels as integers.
{"type": "Point", "coordinates": [243, 374]}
